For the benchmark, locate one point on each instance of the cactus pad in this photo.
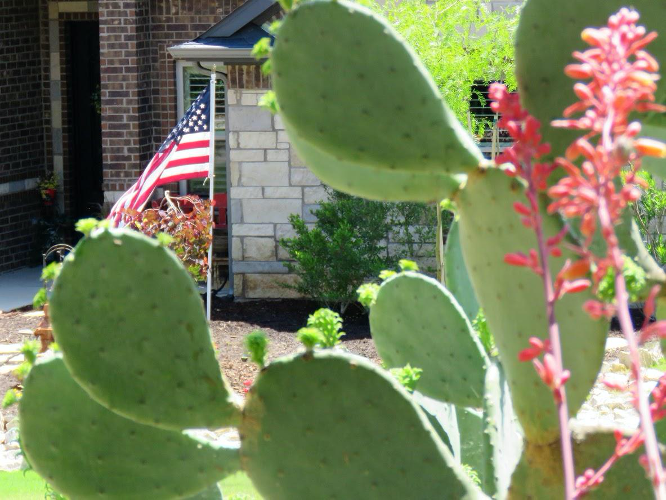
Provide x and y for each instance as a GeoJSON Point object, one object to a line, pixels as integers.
{"type": "Point", "coordinates": [416, 320]}
{"type": "Point", "coordinates": [306, 434]}
{"type": "Point", "coordinates": [554, 28]}
{"type": "Point", "coordinates": [502, 434]}
{"type": "Point", "coordinates": [132, 329]}
{"type": "Point", "coordinates": [457, 277]}
{"type": "Point", "coordinates": [376, 183]}
{"type": "Point", "coordinates": [539, 473]}
{"type": "Point", "coordinates": [513, 301]}
{"type": "Point", "coordinates": [86, 451]}
{"type": "Point", "coordinates": [382, 113]}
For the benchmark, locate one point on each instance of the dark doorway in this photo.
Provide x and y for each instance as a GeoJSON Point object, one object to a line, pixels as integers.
{"type": "Point", "coordinates": [85, 126]}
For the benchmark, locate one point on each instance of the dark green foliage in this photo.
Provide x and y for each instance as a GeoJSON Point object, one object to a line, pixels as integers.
{"type": "Point", "coordinates": [347, 244]}
{"type": "Point", "coordinates": [344, 248]}
{"type": "Point", "coordinates": [650, 212]}
{"type": "Point", "coordinates": [634, 278]}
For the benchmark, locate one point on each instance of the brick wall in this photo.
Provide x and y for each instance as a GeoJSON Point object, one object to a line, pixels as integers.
{"type": "Point", "coordinates": [21, 128]}
{"type": "Point", "coordinates": [17, 212]}
{"type": "Point", "coordinates": [139, 105]}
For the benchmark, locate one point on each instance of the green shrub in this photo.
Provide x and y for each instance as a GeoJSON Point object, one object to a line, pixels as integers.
{"type": "Point", "coordinates": [347, 244]}
{"type": "Point", "coordinates": [650, 211]}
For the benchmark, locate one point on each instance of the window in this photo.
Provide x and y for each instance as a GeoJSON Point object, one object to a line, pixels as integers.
{"type": "Point", "coordinates": [479, 108]}
{"type": "Point", "coordinates": [193, 83]}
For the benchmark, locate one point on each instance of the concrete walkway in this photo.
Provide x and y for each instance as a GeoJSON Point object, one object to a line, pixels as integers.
{"type": "Point", "coordinates": [17, 288]}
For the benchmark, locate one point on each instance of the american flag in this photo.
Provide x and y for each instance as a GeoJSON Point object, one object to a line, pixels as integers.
{"type": "Point", "coordinates": [183, 155]}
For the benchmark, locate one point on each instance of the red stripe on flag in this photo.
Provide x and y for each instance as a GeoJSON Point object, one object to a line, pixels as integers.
{"type": "Point", "coordinates": [187, 161]}
{"type": "Point", "coordinates": [181, 177]}
{"type": "Point", "coordinates": [193, 145]}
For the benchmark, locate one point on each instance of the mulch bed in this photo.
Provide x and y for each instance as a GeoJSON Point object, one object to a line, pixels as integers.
{"type": "Point", "coordinates": [231, 322]}
{"type": "Point", "coordinates": [279, 319]}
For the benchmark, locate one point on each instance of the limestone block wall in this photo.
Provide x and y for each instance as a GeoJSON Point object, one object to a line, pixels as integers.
{"type": "Point", "coordinates": [268, 182]}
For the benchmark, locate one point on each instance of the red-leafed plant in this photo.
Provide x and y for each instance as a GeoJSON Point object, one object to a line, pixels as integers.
{"type": "Point", "coordinates": [187, 222]}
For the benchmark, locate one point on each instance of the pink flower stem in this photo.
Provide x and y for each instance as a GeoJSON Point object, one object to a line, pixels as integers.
{"type": "Point", "coordinates": [622, 307]}
{"type": "Point", "coordinates": [601, 472]}
{"type": "Point", "coordinates": [554, 336]}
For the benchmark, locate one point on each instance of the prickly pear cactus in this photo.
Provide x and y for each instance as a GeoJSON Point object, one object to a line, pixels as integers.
{"type": "Point", "coordinates": [138, 367]}
{"type": "Point", "coordinates": [114, 285]}
{"type": "Point", "coordinates": [342, 119]}
{"type": "Point", "coordinates": [513, 301]}
{"type": "Point", "coordinates": [307, 435]}
{"type": "Point", "coordinates": [546, 25]}
{"type": "Point", "coordinates": [440, 340]}
{"type": "Point", "coordinates": [85, 450]}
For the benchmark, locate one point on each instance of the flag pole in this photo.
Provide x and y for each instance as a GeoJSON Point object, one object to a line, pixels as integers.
{"type": "Point", "coordinates": [211, 187]}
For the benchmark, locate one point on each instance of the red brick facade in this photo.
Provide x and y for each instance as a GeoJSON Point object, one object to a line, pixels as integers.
{"type": "Point", "coordinates": [138, 96]}
{"type": "Point", "coordinates": [139, 76]}
{"type": "Point", "coordinates": [22, 153]}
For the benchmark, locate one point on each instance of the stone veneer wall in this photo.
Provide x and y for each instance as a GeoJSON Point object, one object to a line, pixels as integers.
{"type": "Point", "coordinates": [268, 183]}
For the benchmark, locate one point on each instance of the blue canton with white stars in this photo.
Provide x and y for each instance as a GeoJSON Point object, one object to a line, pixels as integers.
{"type": "Point", "coordinates": [196, 120]}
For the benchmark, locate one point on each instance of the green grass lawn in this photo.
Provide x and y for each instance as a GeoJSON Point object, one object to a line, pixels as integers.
{"type": "Point", "coordinates": [29, 486]}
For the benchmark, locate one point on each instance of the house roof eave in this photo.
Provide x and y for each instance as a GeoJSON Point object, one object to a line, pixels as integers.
{"type": "Point", "coordinates": [192, 51]}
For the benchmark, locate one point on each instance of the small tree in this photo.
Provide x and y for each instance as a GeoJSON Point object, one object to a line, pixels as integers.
{"type": "Point", "coordinates": [461, 42]}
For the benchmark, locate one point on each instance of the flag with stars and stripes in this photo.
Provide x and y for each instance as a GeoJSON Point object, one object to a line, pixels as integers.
{"type": "Point", "coordinates": [183, 155]}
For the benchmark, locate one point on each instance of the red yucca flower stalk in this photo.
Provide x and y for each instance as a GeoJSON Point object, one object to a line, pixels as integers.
{"type": "Point", "coordinates": [622, 81]}
{"type": "Point", "coordinates": [522, 160]}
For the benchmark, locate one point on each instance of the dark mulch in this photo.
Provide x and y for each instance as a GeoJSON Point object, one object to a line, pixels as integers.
{"type": "Point", "coordinates": [279, 319]}
{"type": "Point", "coordinates": [231, 321]}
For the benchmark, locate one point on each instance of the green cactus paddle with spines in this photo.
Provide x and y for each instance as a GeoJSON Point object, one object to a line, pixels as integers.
{"type": "Point", "coordinates": [513, 301]}
{"type": "Point", "coordinates": [380, 120]}
{"type": "Point", "coordinates": [151, 357]}
{"type": "Point", "coordinates": [86, 451]}
{"type": "Point", "coordinates": [416, 321]}
{"type": "Point", "coordinates": [306, 435]}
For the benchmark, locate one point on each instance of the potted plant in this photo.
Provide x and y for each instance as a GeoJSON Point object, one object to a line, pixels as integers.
{"type": "Point", "coordinates": [48, 187]}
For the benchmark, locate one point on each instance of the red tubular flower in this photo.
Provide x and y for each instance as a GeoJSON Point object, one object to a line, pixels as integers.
{"type": "Point", "coordinates": [522, 209]}
{"type": "Point", "coordinates": [657, 329]}
{"type": "Point", "coordinates": [538, 347]}
{"type": "Point", "coordinates": [616, 386]}
{"type": "Point", "coordinates": [598, 309]}
{"type": "Point", "coordinates": [517, 259]}
{"type": "Point", "coordinates": [575, 286]}
{"type": "Point", "coordinates": [650, 147]}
